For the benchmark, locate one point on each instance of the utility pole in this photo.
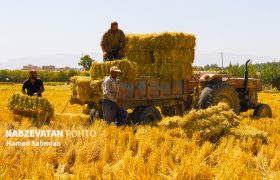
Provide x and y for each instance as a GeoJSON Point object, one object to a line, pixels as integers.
{"type": "Point", "coordinates": [222, 56]}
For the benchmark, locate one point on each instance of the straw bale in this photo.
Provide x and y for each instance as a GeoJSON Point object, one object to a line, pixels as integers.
{"type": "Point", "coordinates": [101, 70]}
{"type": "Point", "coordinates": [178, 56]}
{"type": "Point", "coordinates": [167, 71]}
{"type": "Point", "coordinates": [31, 106]}
{"type": "Point", "coordinates": [163, 41]}
{"type": "Point", "coordinates": [85, 90]}
{"type": "Point", "coordinates": [160, 48]}
{"type": "Point", "coordinates": [97, 93]}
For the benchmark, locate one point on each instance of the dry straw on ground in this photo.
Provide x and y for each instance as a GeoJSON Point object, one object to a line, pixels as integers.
{"type": "Point", "coordinates": [247, 132]}
{"type": "Point", "coordinates": [34, 107]}
{"type": "Point", "coordinates": [139, 152]}
{"type": "Point", "coordinates": [210, 124]}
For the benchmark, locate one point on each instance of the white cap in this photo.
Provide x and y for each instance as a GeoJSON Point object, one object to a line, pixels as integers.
{"type": "Point", "coordinates": [115, 68]}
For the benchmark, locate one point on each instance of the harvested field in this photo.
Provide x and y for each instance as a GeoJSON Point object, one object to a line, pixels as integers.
{"type": "Point", "coordinates": [210, 124]}
{"type": "Point", "coordinates": [138, 151]}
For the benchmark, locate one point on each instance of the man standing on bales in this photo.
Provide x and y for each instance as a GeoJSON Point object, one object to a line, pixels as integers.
{"type": "Point", "coordinates": [112, 43]}
{"type": "Point", "coordinates": [112, 110]}
{"type": "Point", "coordinates": [33, 85]}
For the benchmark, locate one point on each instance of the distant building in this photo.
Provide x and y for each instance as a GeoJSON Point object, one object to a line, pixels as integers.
{"type": "Point", "coordinates": [49, 68]}
{"type": "Point", "coordinates": [30, 67]}
{"type": "Point", "coordinates": [63, 69]}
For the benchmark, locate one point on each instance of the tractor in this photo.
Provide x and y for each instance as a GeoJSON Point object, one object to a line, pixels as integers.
{"type": "Point", "coordinates": [241, 94]}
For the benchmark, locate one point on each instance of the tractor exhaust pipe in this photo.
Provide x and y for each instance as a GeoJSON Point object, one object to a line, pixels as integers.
{"type": "Point", "coordinates": [246, 77]}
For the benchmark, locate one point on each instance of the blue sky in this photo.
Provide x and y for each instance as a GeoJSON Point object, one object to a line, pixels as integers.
{"type": "Point", "coordinates": [32, 27]}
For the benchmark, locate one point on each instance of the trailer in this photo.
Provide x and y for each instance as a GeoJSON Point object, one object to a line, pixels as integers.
{"type": "Point", "coordinates": [145, 94]}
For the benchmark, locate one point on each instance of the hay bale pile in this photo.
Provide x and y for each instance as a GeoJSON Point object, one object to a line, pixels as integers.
{"type": "Point", "coordinates": [160, 48]}
{"type": "Point", "coordinates": [31, 106]}
{"type": "Point", "coordinates": [210, 123]}
{"type": "Point", "coordinates": [167, 55]}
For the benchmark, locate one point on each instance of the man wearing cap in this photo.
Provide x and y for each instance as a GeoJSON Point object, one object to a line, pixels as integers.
{"type": "Point", "coordinates": [112, 43]}
{"type": "Point", "coordinates": [112, 110]}
{"type": "Point", "coordinates": [33, 85]}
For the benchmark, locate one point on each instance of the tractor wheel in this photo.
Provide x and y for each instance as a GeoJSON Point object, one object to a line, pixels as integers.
{"type": "Point", "coordinates": [146, 114]}
{"type": "Point", "coordinates": [135, 115]}
{"type": "Point", "coordinates": [211, 96]}
{"type": "Point", "coordinates": [262, 110]}
{"type": "Point", "coordinates": [168, 110]}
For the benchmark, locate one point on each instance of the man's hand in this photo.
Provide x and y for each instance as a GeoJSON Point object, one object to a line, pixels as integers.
{"type": "Point", "coordinates": [104, 54]}
{"type": "Point", "coordinates": [23, 92]}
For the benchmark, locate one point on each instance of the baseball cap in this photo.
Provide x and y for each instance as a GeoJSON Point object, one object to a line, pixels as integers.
{"type": "Point", "coordinates": [115, 68]}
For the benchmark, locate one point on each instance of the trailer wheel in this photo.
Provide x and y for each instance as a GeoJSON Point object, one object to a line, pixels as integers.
{"type": "Point", "coordinates": [95, 114]}
{"type": "Point", "coordinates": [211, 96]}
{"type": "Point", "coordinates": [262, 110]}
{"type": "Point", "coordinates": [168, 110]}
{"type": "Point", "coordinates": [146, 114]}
{"type": "Point", "coordinates": [135, 115]}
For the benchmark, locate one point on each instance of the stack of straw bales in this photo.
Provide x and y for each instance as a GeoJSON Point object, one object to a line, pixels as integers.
{"type": "Point", "coordinates": [31, 106]}
{"type": "Point", "coordinates": [167, 55]}
{"type": "Point", "coordinates": [210, 123]}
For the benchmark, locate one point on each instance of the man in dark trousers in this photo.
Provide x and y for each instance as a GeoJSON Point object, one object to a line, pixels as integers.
{"type": "Point", "coordinates": [111, 105]}
{"type": "Point", "coordinates": [112, 43]}
{"type": "Point", "coordinates": [33, 85]}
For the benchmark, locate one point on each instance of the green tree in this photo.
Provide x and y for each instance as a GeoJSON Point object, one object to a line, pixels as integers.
{"type": "Point", "coordinates": [72, 73]}
{"type": "Point", "coordinates": [62, 76]}
{"type": "Point", "coordinates": [86, 62]}
{"type": "Point", "coordinates": [238, 71]}
{"type": "Point", "coordinates": [271, 74]}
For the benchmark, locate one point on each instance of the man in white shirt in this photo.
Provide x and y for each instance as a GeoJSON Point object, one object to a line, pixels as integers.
{"type": "Point", "coordinates": [112, 110]}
